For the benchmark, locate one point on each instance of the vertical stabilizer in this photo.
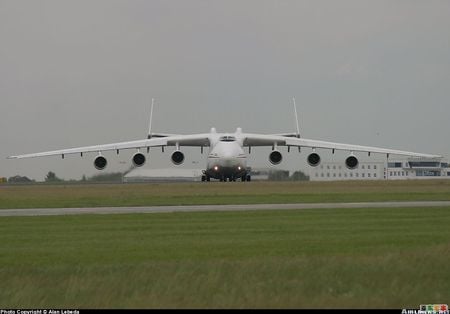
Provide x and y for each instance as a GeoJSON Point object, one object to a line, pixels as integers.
{"type": "Point", "coordinates": [151, 119]}
{"type": "Point", "coordinates": [296, 118]}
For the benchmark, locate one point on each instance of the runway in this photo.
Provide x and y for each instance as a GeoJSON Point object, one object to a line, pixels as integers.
{"type": "Point", "coordinates": [209, 208]}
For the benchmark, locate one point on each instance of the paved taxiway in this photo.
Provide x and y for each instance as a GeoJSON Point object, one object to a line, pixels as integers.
{"type": "Point", "coordinates": [204, 208]}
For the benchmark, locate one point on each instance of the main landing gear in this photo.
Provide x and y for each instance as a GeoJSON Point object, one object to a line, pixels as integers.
{"type": "Point", "coordinates": [247, 177]}
{"type": "Point", "coordinates": [206, 178]}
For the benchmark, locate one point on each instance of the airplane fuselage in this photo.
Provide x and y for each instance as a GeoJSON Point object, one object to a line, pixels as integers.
{"type": "Point", "coordinates": [227, 159]}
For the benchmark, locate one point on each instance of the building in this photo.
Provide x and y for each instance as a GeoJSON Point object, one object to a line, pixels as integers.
{"type": "Point", "coordinates": [417, 169]}
{"type": "Point", "coordinates": [191, 175]}
{"type": "Point", "coordinates": [393, 170]}
{"type": "Point", "coordinates": [335, 171]}
{"type": "Point", "coordinates": [163, 175]}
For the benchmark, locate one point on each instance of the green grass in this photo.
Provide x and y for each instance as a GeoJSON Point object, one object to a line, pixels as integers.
{"type": "Point", "coordinates": [51, 196]}
{"type": "Point", "coordinates": [364, 258]}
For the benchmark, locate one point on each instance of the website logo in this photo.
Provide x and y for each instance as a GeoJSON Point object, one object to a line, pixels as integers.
{"type": "Point", "coordinates": [429, 309]}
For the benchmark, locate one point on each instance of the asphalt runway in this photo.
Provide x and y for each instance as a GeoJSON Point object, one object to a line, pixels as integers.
{"type": "Point", "coordinates": [209, 208]}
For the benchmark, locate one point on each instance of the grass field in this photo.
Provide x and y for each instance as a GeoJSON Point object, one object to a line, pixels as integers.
{"type": "Point", "coordinates": [344, 258]}
{"type": "Point", "coordinates": [324, 258]}
{"type": "Point", "coordinates": [48, 196]}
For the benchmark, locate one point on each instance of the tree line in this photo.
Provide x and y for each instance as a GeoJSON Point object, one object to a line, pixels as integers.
{"type": "Point", "coordinates": [51, 177]}
{"type": "Point", "coordinates": [117, 177]}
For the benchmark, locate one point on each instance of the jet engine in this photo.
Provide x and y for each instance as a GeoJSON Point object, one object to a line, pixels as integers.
{"type": "Point", "coordinates": [351, 162]}
{"type": "Point", "coordinates": [100, 162]}
{"type": "Point", "coordinates": [275, 157]}
{"type": "Point", "coordinates": [313, 159]}
{"type": "Point", "coordinates": [138, 159]}
{"type": "Point", "coordinates": [177, 157]}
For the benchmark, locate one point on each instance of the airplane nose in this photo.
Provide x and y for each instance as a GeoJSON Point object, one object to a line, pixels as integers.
{"type": "Point", "coordinates": [229, 162]}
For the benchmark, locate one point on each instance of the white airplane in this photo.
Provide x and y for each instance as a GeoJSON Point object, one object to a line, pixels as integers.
{"type": "Point", "coordinates": [227, 159]}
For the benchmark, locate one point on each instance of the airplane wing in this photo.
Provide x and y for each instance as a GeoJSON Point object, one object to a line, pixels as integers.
{"type": "Point", "coordinates": [276, 140]}
{"type": "Point", "coordinates": [176, 140]}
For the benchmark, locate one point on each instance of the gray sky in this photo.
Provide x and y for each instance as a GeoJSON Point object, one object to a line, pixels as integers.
{"type": "Point", "coordinates": [76, 73]}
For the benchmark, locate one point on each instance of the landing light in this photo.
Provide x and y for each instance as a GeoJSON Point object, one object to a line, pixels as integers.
{"type": "Point", "coordinates": [216, 168]}
{"type": "Point", "coordinates": [239, 168]}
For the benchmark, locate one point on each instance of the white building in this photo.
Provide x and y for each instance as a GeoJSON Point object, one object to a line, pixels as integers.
{"type": "Point", "coordinates": [393, 170]}
{"type": "Point", "coordinates": [162, 175]}
{"type": "Point", "coordinates": [335, 171]}
{"type": "Point", "coordinates": [418, 169]}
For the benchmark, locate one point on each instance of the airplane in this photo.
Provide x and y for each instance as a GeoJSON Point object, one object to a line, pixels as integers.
{"type": "Point", "coordinates": [227, 159]}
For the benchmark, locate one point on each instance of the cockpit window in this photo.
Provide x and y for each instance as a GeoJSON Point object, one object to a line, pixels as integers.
{"type": "Point", "coordinates": [227, 138]}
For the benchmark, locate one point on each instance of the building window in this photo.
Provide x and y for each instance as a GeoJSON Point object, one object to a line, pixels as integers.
{"type": "Point", "coordinates": [422, 164]}
{"type": "Point", "coordinates": [368, 175]}
{"type": "Point", "coordinates": [362, 167]}
{"type": "Point", "coordinates": [375, 167]}
{"type": "Point", "coordinates": [334, 167]}
{"type": "Point", "coordinates": [374, 175]}
{"type": "Point", "coordinates": [328, 175]}
{"type": "Point", "coordinates": [362, 175]}
{"type": "Point", "coordinates": [334, 175]}
{"type": "Point", "coordinates": [357, 175]}
{"type": "Point", "coordinates": [321, 175]}
{"type": "Point", "coordinates": [368, 167]}
{"type": "Point", "coordinates": [340, 175]}
{"type": "Point", "coordinates": [351, 175]}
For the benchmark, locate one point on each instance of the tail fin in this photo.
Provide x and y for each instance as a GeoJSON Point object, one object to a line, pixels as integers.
{"type": "Point", "coordinates": [296, 118]}
{"type": "Point", "coordinates": [151, 118]}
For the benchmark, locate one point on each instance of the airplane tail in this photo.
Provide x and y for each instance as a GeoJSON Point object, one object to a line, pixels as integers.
{"type": "Point", "coordinates": [296, 118]}
{"type": "Point", "coordinates": [297, 125]}
{"type": "Point", "coordinates": [150, 133]}
{"type": "Point", "coordinates": [151, 119]}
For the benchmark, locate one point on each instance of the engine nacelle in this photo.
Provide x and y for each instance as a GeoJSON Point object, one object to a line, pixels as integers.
{"type": "Point", "coordinates": [275, 157]}
{"type": "Point", "coordinates": [138, 159]}
{"type": "Point", "coordinates": [177, 157]}
{"type": "Point", "coordinates": [351, 162]}
{"type": "Point", "coordinates": [313, 159]}
{"type": "Point", "coordinates": [100, 162]}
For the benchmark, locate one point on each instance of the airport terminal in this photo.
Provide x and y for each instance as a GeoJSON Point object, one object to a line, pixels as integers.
{"type": "Point", "coordinates": [411, 169]}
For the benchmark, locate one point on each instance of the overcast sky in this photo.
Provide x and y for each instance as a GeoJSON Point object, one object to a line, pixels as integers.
{"type": "Point", "coordinates": [77, 73]}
